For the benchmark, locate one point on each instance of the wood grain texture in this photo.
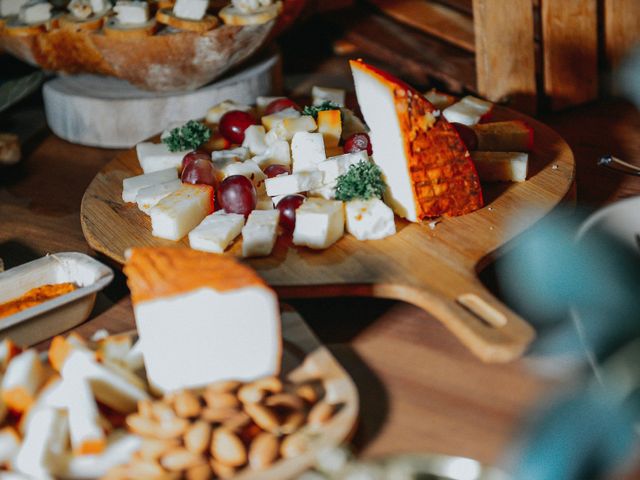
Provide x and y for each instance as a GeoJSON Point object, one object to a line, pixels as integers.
{"type": "Point", "coordinates": [434, 269]}
{"type": "Point", "coordinates": [621, 29]}
{"type": "Point", "coordinates": [570, 51]}
{"type": "Point", "coordinates": [505, 52]}
{"type": "Point", "coordinates": [432, 18]}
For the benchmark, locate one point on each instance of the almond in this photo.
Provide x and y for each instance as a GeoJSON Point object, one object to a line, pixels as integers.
{"type": "Point", "coordinates": [142, 426]}
{"type": "Point", "coordinates": [162, 412]}
{"type": "Point", "coordinates": [221, 399]}
{"type": "Point", "coordinates": [146, 469]}
{"type": "Point", "coordinates": [144, 408]}
{"type": "Point", "coordinates": [180, 459]}
{"type": "Point", "coordinates": [217, 415]}
{"type": "Point", "coordinates": [262, 416]}
{"type": "Point", "coordinates": [224, 386]}
{"type": "Point", "coordinates": [186, 404]}
{"type": "Point", "coordinates": [263, 450]}
{"type": "Point", "coordinates": [294, 445]}
{"type": "Point", "coordinates": [320, 413]}
{"type": "Point", "coordinates": [197, 437]}
{"type": "Point", "coordinates": [201, 472]}
{"type": "Point", "coordinates": [227, 448]}
{"type": "Point", "coordinates": [308, 392]}
{"type": "Point", "coordinates": [291, 423]}
{"type": "Point", "coordinates": [286, 400]}
{"type": "Point", "coordinates": [220, 470]}
{"type": "Point", "coordinates": [152, 449]}
{"type": "Point", "coordinates": [237, 421]}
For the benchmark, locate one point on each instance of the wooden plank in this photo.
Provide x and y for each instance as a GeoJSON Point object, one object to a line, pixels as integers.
{"type": "Point", "coordinates": [432, 18]}
{"type": "Point", "coordinates": [570, 51]}
{"type": "Point", "coordinates": [505, 56]}
{"type": "Point", "coordinates": [621, 29]}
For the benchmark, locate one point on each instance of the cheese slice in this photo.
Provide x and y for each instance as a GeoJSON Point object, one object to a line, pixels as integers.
{"type": "Point", "coordinates": [330, 126]}
{"type": "Point", "coordinates": [216, 232]}
{"type": "Point", "coordinates": [181, 211]}
{"type": "Point", "coordinates": [87, 435]}
{"type": "Point", "coordinates": [157, 156]}
{"type": "Point", "coordinates": [148, 197]}
{"type": "Point", "coordinates": [427, 168]}
{"type": "Point", "coordinates": [260, 233]}
{"type": "Point", "coordinates": [319, 223]}
{"type": "Point", "coordinates": [501, 166]}
{"type": "Point", "coordinates": [369, 219]}
{"type": "Point", "coordinates": [468, 111]}
{"type": "Point", "coordinates": [215, 113]}
{"type": "Point", "coordinates": [294, 183]}
{"type": "Point", "coordinates": [22, 380]}
{"type": "Point", "coordinates": [325, 94]}
{"type": "Point", "coordinates": [132, 185]}
{"type": "Point", "coordinates": [190, 9]}
{"type": "Point", "coordinates": [202, 318]}
{"type": "Point", "coordinates": [307, 150]}
{"type": "Point", "coordinates": [508, 136]}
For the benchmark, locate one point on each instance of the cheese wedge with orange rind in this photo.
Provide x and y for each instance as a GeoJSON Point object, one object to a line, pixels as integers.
{"type": "Point", "coordinates": [24, 376]}
{"type": "Point", "coordinates": [426, 166]}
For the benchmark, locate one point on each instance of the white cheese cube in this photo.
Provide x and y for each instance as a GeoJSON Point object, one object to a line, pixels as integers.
{"type": "Point", "coordinates": [190, 9]}
{"type": "Point", "coordinates": [294, 183]}
{"type": "Point", "coordinates": [238, 154]}
{"type": "Point", "coordinates": [85, 429]}
{"type": "Point", "coordinates": [287, 128]}
{"type": "Point", "coordinates": [157, 156]}
{"type": "Point", "coordinates": [319, 223]}
{"type": "Point", "coordinates": [22, 380]}
{"type": "Point", "coordinates": [9, 445]}
{"type": "Point", "coordinates": [369, 219]}
{"type": "Point", "coordinates": [229, 320]}
{"type": "Point", "coordinates": [99, 6]}
{"type": "Point", "coordinates": [325, 94]}
{"type": "Point", "coordinates": [269, 121]}
{"type": "Point", "coordinates": [276, 199]}
{"type": "Point", "coordinates": [279, 153]}
{"type": "Point", "coordinates": [181, 211]}
{"type": "Point", "coordinates": [249, 169]}
{"type": "Point", "coordinates": [132, 12]}
{"type": "Point", "coordinates": [263, 102]}
{"type": "Point", "coordinates": [501, 166]}
{"type": "Point", "coordinates": [330, 126]}
{"type": "Point", "coordinates": [260, 233]}
{"type": "Point", "coordinates": [336, 166]}
{"type": "Point", "coordinates": [131, 186]}
{"type": "Point", "coordinates": [148, 197]}
{"type": "Point", "coordinates": [216, 232]}
{"type": "Point", "coordinates": [439, 100]}
{"type": "Point", "coordinates": [37, 12]}
{"type": "Point", "coordinates": [468, 111]}
{"type": "Point", "coordinates": [215, 113]}
{"type": "Point", "coordinates": [307, 150]}
{"type": "Point", "coordinates": [11, 7]}
{"type": "Point", "coordinates": [327, 191]}
{"type": "Point", "coordinates": [264, 203]}
{"type": "Point", "coordinates": [254, 139]}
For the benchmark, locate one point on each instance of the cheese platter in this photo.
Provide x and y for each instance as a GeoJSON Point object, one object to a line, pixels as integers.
{"type": "Point", "coordinates": [418, 231]}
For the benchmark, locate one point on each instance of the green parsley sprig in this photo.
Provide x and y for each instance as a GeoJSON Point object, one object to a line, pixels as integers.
{"type": "Point", "coordinates": [187, 137]}
{"type": "Point", "coordinates": [362, 181]}
{"type": "Point", "coordinates": [313, 110]}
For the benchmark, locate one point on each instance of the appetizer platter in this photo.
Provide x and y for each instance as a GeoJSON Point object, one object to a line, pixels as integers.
{"type": "Point", "coordinates": [111, 407]}
{"type": "Point", "coordinates": [320, 202]}
{"type": "Point", "coordinates": [162, 46]}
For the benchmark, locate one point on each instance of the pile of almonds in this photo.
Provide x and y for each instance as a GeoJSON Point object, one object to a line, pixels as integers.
{"type": "Point", "coordinates": [226, 427]}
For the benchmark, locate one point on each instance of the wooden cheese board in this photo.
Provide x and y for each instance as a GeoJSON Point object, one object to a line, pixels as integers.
{"type": "Point", "coordinates": [433, 265]}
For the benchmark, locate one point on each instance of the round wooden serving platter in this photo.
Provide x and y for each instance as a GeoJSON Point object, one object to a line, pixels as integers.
{"type": "Point", "coordinates": [433, 265]}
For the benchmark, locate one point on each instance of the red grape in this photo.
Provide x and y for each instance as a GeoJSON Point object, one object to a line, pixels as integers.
{"type": "Point", "coordinates": [467, 135]}
{"type": "Point", "coordinates": [279, 105]}
{"type": "Point", "coordinates": [357, 143]}
{"type": "Point", "coordinates": [191, 156]}
{"type": "Point", "coordinates": [237, 194]}
{"type": "Point", "coordinates": [287, 208]}
{"type": "Point", "coordinates": [234, 123]}
{"type": "Point", "coordinates": [200, 171]}
{"type": "Point", "coordinates": [275, 170]}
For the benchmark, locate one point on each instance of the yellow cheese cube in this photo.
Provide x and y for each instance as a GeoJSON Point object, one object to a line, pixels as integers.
{"type": "Point", "coordinates": [330, 126]}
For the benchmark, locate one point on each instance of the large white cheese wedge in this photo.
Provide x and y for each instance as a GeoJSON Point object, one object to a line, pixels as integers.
{"type": "Point", "coordinates": [132, 185]}
{"type": "Point", "coordinates": [325, 94]}
{"type": "Point", "coordinates": [369, 219]}
{"type": "Point", "coordinates": [215, 113]}
{"type": "Point", "coordinates": [260, 233]}
{"type": "Point", "coordinates": [319, 223]}
{"type": "Point", "coordinates": [21, 381]}
{"type": "Point", "coordinates": [157, 156]}
{"type": "Point", "coordinates": [307, 150]}
{"type": "Point", "coordinates": [202, 318]}
{"type": "Point", "coordinates": [148, 197]}
{"type": "Point", "coordinates": [216, 232]}
{"type": "Point", "coordinates": [87, 436]}
{"type": "Point", "coordinates": [468, 111]}
{"type": "Point", "coordinates": [294, 183]}
{"type": "Point", "coordinates": [330, 126]}
{"type": "Point", "coordinates": [181, 211]}
{"type": "Point", "coordinates": [190, 9]}
{"type": "Point", "coordinates": [501, 166]}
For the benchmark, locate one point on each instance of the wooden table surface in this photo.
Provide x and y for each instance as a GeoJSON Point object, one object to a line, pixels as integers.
{"type": "Point", "coordinates": [420, 389]}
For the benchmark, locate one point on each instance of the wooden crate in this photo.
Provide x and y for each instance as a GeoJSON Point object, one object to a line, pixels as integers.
{"type": "Point", "coordinates": [529, 53]}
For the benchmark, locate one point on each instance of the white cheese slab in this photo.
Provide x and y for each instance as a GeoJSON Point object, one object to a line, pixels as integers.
{"type": "Point", "coordinates": [190, 9]}
{"type": "Point", "coordinates": [294, 183]}
{"type": "Point", "coordinates": [131, 186]}
{"type": "Point", "coordinates": [148, 197]}
{"type": "Point", "coordinates": [369, 219]}
{"type": "Point", "coordinates": [307, 151]}
{"type": "Point", "coordinates": [216, 232]}
{"type": "Point", "coordinates": [157, 156]}
{"type": "Point", "coordinates": [319, 223]}
{"type": "Point", "coordinates": [260, 233]}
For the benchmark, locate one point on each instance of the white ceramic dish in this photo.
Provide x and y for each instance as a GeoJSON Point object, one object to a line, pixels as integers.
{"type": "Point", "coordinates": [54, 316]}
{"type": "Point", "coordinates": [621, 219]}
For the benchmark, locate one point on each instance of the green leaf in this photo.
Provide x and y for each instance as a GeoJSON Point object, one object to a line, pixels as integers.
{"type": "Point", "coordinates": [313, 110]}
{"type": "Point", "coordinates": [187, 137]}
{"type": "Point", "coordinates": [12, 91]}
{"type": "Point", "coordinates": [362, 181]}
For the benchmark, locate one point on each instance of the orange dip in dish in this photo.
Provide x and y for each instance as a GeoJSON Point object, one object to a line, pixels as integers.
{"type": "Point", "coordinates": [34, 297]}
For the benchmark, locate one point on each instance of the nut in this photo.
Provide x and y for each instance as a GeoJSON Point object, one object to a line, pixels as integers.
{"type": "Point", "coordinates": [237, 421]}
{"type": "Point", "coordinates": [218, 415]}
{"type": "Point", "coordinates": [152, 449]}
{"type": "Point", "coordinates": [201, 472]}
{"type": "Point", "coordinates": [254, 392]}
{"type": "Point", "coordinates": [197, 437]}
{"type": "Point", "coordinates": [144, 408]}
{"type": "Point", "coordinates": [186, 404]}
{"type": "Point", "coordinates": [286, 400]}
{"type": "Point", "coordinates": [220, 470]}
{"type": "Point", "coordinates": [294, 445]}
{"type": "Point", "coordinates": [227, 448]}
{"type": "Point", "coordinates": [263, 450]}
{"type": "Point", "coordinates": [308, 392]}
{"type": "Point", "coordinates": [291, 423]}
{"type": "Point", "coordinates": [143, 426]}
{"type": "Point", "coordinates": [221, 399]}
{"type": "Point", "coordinates": [162, 412]}
{"type": "Point", "coordinates": [180, 459]}
{"type": "Point", "coordinates": [262, 416]}
{"type": "Point", "coordinates": [145, 469]}
{"type": "Point", "coordinates": [320, 413]}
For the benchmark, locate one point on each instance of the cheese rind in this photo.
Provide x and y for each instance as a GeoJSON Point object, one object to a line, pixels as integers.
{"type": "Point", "coordinates": [369, 219]}
{"type": "Point", "coordinates": [260, 233]}
{"type": "Point", "coordinates": [157, 156]}
{"type": "Point", "coordinates": [307, 150]}
{"type": "Point", "coordinates": [216, 232]}
{"type": "Point", "coordinates": [132, 185]}
{"type": "Point", "coordinates": [87, 435]}
{"type": "Point", "coordinates": [319, 223]}
{"type": "Point", "coordinates": [181, 211]}
{"type": "Point", "coordinates": [148, 197]}
{"type": "Point", "coordinates": [21, 381]}
{"type": "Point", "coordinates": [294, 183]}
